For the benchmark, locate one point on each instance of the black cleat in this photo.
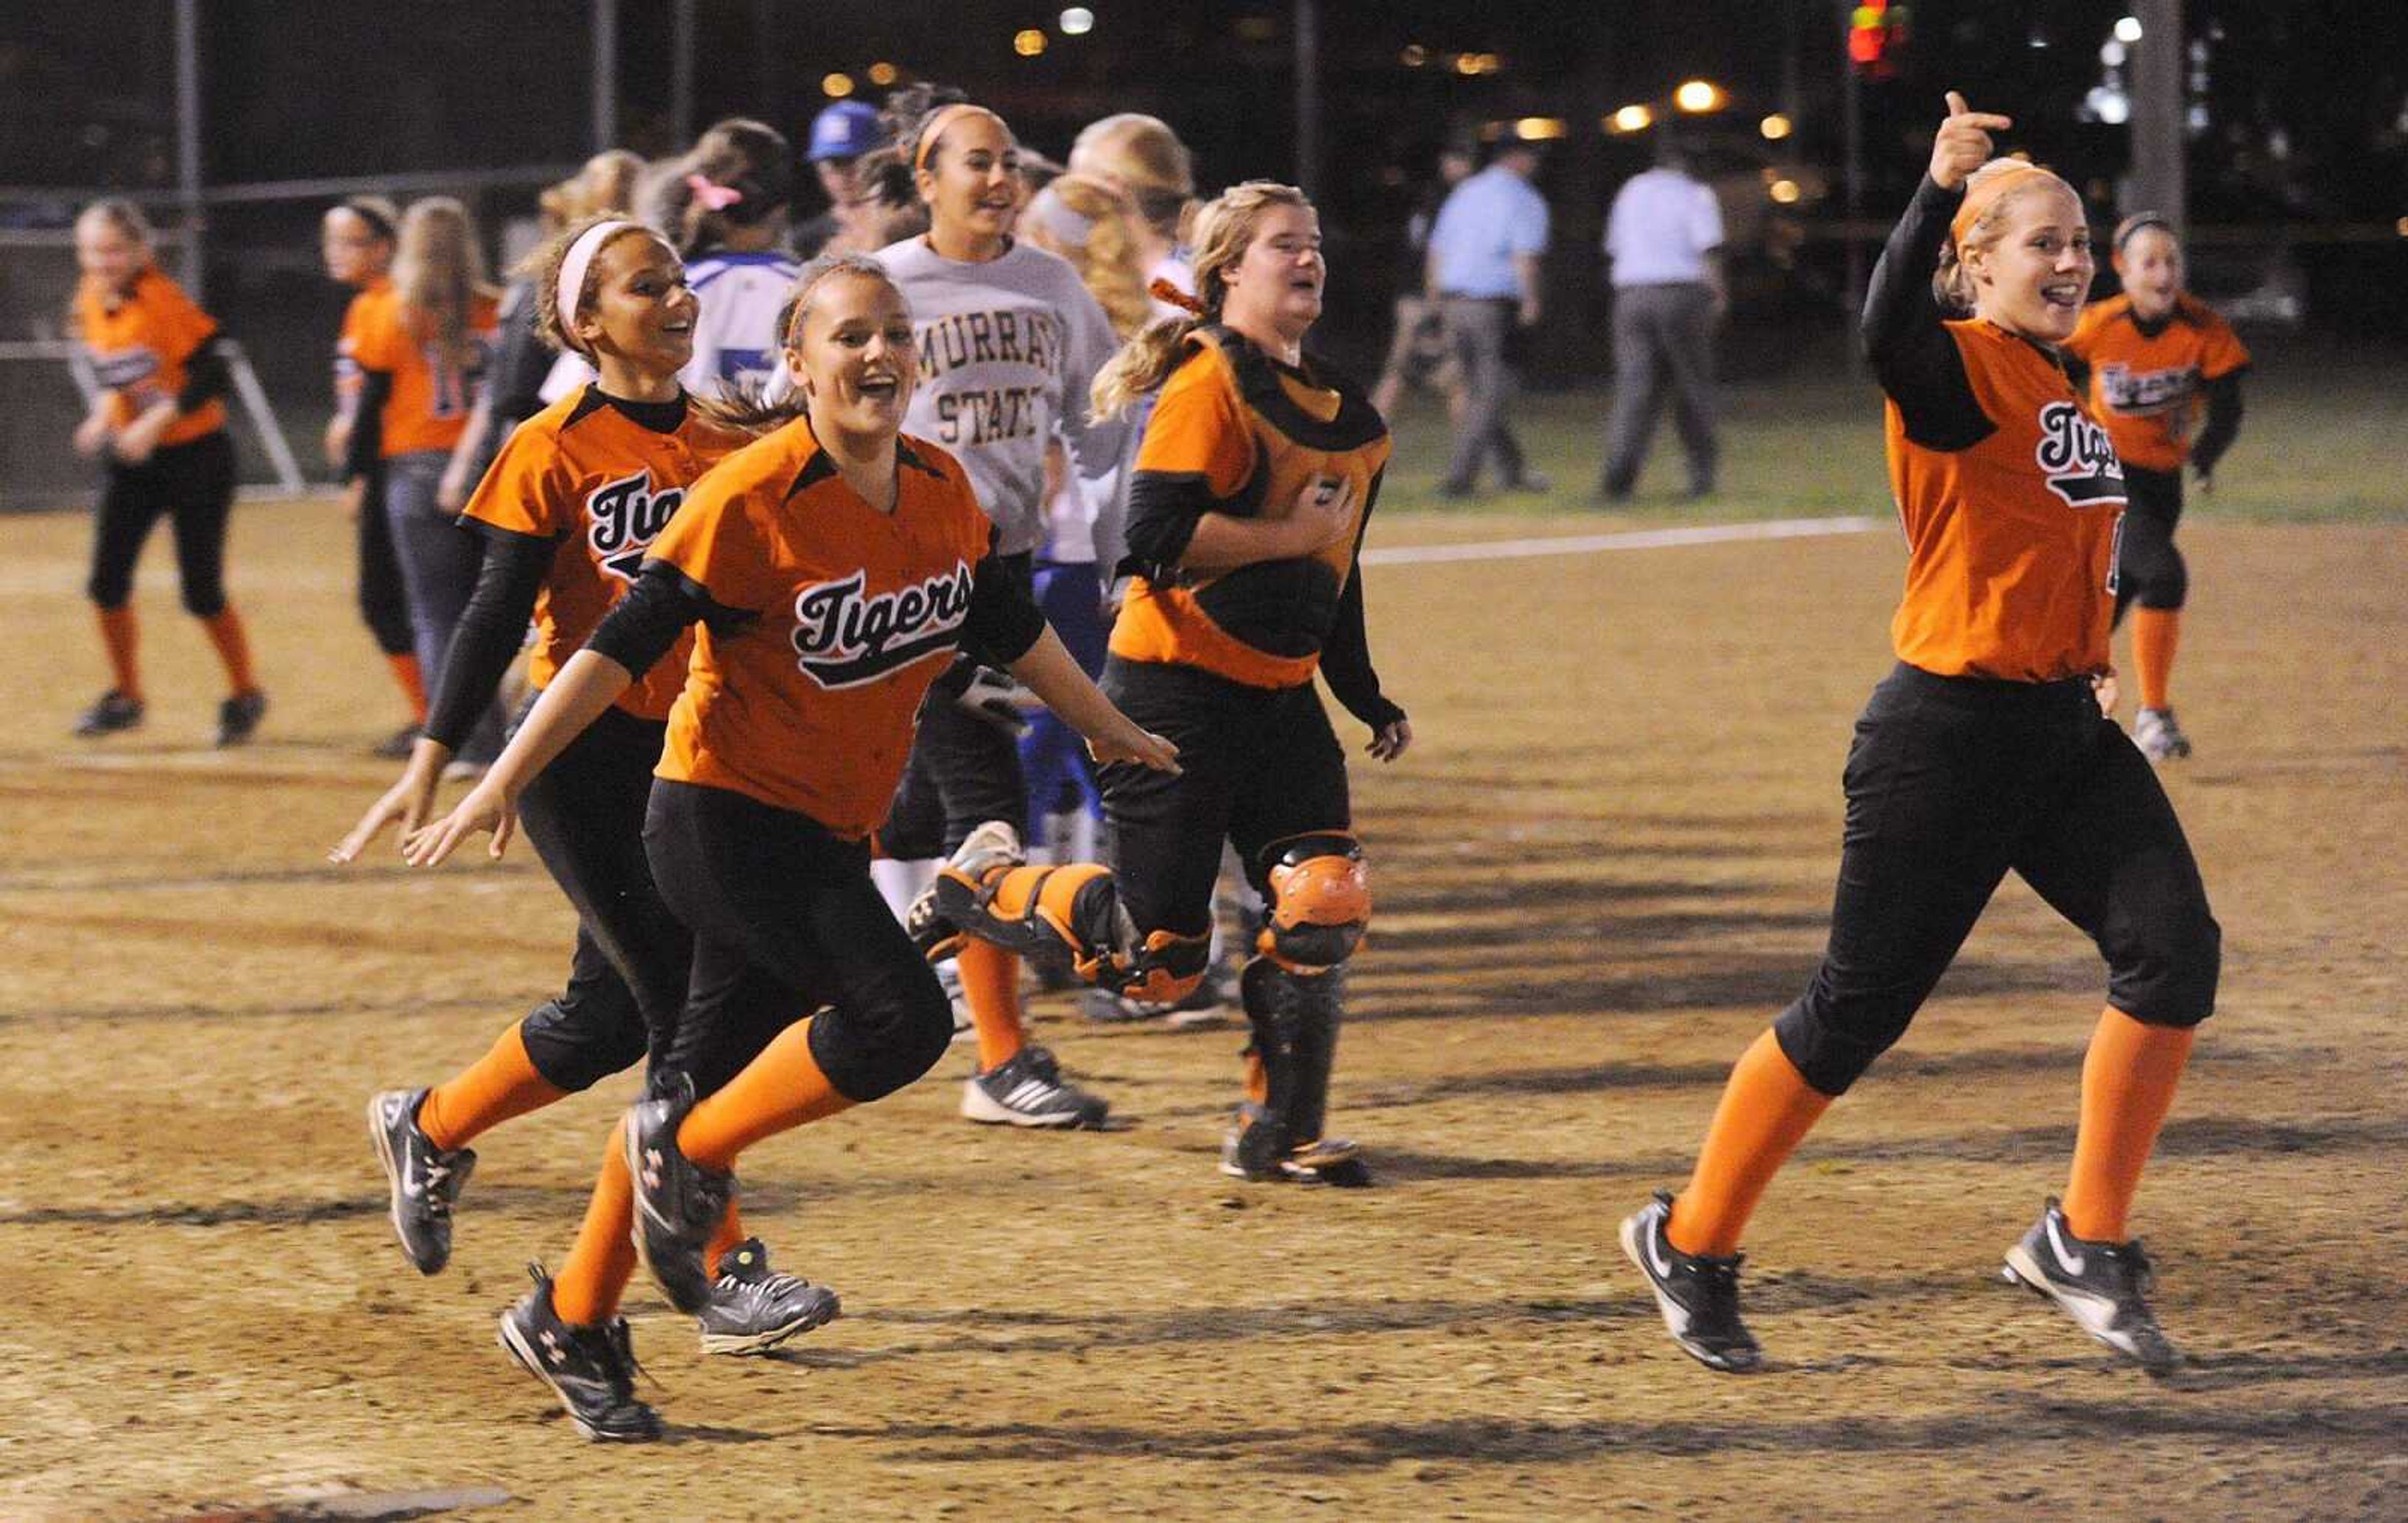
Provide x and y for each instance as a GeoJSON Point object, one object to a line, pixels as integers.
{"type": "Point", "coordinates": [1699, 1296]}
{"type": "Point", "coordinates": [1026, 1089]}
{"type": "Point", "coordinates": [753, 1308]}
{"type": "Point", "coordinates": [2102, 1285]}
{"type": "Point", "coordinates": [111, 712]}
{"type": "Point", "coordinates": [240, 715]}
{"type": "Point", "coordinates": [425, 1179]}
{"type": "Point", "coordinates": [679, 1202]}
{"type": "Point", "coordinates": [1258, 1151]}
{"type": "Point", "coordinates": [591, 1368]}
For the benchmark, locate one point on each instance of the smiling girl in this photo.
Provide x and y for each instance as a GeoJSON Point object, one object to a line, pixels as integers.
{"type": "Point", "coordinates": [835, 566]}
{"type": "Point", "coordinates": [1983, 752]}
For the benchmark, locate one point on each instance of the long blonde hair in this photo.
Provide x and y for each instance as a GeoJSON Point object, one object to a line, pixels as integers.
{"type": "Point", "coordinates": [1106, 256]}
{"type": "Point", "coordinates": [439, 272]}
{"type": "Point", "coordinates": [746, 407]}
{"type": "Point", "coordinates": [1952, 283]}
{"type": "Point", "coordinates": [1223, 229]}
{"type": "Point", "coordinates": [1144, 154]}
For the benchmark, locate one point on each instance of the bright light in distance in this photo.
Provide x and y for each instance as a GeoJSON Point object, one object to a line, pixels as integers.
{"type": "Point", "coordinates": [1696, 95]}
{"type": "Point", "coordinates": [2401, 227]}
{"type": "Point", "coordinates": [1774, 127]}
{"type": "Point", "coordinates": [883, 73]}
{"type": "Point", "coordinates": [2113, 53]}
{"type": "Point", "coordinates": [1630, 118]}
{"type": "Point", "coordinates": [1029, 43]}
{"type": "Point", "coordinates": [1414, 55]}
{"type": "Point", "coordinates": [1078, 22]}
{"type": "Point", "coordinates": [2128, 29]}
{"type": "Point", "coordinates": [1539, 129]}
{"type": "Point", "coordinates": [1783, 191]}
{"type": "Point", "coordinates": [836, 86]}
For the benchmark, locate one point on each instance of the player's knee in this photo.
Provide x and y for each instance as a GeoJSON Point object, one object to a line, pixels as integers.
{"type": "Point", "coordinates": [2167, 586]}
{"type": "Point", "coordinates": [2169, 976]}
{"type": "Point", "coordinates": [871, 1047]}
{"type": "Point", "coordinates": [109, 587]}
{"type": "Point", "coordinates": [575, 1046]}
{"type": "Point", "coordinates": [1320, 899]}
{"type": "Point", "coordinates": [205, 602]}
{"type": "Point", "coordinates": [1831, 1045]}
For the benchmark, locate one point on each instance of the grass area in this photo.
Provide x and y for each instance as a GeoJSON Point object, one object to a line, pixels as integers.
{"type": "Point", "coordinates": [2322, 441]}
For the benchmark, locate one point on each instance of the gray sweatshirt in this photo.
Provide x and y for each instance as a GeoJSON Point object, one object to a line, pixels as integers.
{"type": "Point", "coordinates": [1007, 349]}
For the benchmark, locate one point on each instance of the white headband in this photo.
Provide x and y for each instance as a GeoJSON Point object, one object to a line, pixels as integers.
{"type": "Point", "coordinates": [572, 271]}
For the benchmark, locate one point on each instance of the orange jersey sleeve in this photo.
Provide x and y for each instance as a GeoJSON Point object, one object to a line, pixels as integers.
{"type": "Point", "coordinates": [140, 348]}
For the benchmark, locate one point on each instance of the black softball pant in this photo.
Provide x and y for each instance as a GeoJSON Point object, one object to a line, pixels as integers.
{"type": "Point", "coordinates": [584, 815]}
{"type": "Point", "coordinates": [964, 770]}
{"type": "Point", "coordinates": [1257, 766]}
{"type": "Point", "coordinates": [193, 486]}
{"type": "Point", "coordinates": [786, 920]}
{"type": "Point", "coordinates": [2149, 570]}
{"type": "Point", "coordinates": [384, 602]}
{"type": "Point", "coordinates": [1954, 782]}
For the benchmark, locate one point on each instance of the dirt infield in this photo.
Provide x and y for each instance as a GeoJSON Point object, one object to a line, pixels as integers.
{"type": "Point", "coordinates": [1603, 867]}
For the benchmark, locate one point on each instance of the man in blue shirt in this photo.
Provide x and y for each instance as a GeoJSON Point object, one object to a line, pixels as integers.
{"type": "Point", "coordinates": [1482, 271]}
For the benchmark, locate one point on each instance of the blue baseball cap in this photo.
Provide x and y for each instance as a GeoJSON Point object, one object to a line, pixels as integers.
{"type": "Point", "coordinates": [846, 130]}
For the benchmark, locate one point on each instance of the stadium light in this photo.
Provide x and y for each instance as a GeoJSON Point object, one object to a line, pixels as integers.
{"type": "Point", "coordinates": [2128, 29]}
{"type": "Point", "coordinates": [1414, 55]}
{"type": "Point", "coordinates": [1785, 192]}
{"type": "Point", "coordinates": [1539, 129]}
{"type": "Point", "coordinates": [1077, 22]}
{"type": "Point", "coordinates": [1028, 42]}
{"type": "Point", "coordinates": [1774, 127]}
{"type": "Point", "coordinates": [836, 86]}
{"type": "Point", "coordinates": [1698, 96]}
{"type": "Point", "coordinates": [1630, 118]}
{"type": "Point", "coordinates": [883, 73]}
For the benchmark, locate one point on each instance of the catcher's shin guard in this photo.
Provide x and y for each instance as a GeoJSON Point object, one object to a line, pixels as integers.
{"type": "Point", "coordinates": [1320, 900]}
{"type": "Point", "coordinates": [1071, 914]}
{"type": "Point", "coordinates": [1293, 1018]}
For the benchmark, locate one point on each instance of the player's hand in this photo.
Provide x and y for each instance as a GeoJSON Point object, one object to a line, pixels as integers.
{"type": "Point", "coordinates": [487, 806]}
{"type": "Point", "coordinates": [91, 435]}
{"type": "Point", "coordinates": [2104, 688]}
{"type": "Point", "coordinates": [1962, 144]}
{"type": "Point", "coordinates": [1324, 514]}
{"type": "Point", "coordinates": [1126, 743]}
{"type": "Point", "coordinates": [1527, 313]}
{"type": "Point", "coordinates": [409, 803]}
{"type": "Point", "coordinates": [137, 441]}
{"type": "Point", "coordinates": [1389, 740]}
{"type": "Point", "coordinates": [993, 697]}
{"type": "Point", "coordinates": [338, 439]}
{"type": "Point", "coordinates": [2206, 485]}
{"type": "Point", "coordinates": [451, 491]}
{"type": "Point", "coordinates": [355, 496]}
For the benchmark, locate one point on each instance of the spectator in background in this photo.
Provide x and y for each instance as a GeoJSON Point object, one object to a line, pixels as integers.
{"type": "Point", "coordinates": [1482, 271]}
{"type": "Point", "coordinates": [1664, 236]}
{"type": "Point", "coordinates": [1417, 356]}
{"type": "Point", "coordinates": [1142, 156]}
{"type": "Point", "coordinates": [841, 136]}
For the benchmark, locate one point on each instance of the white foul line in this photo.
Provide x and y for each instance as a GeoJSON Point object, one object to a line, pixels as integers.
{"type": "Point", "coordinates": [1582, 544]}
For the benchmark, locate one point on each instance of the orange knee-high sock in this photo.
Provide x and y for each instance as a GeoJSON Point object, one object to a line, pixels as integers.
{"type": "Point", "coordinates": [2156, 632]}
{"type": "Point", "coordinates": [1767, 1109]}
{"type": "Point", "coordinates": [2127, 1085]}
{"type": "Point", "coordinates": [603, 1258]}
{"type": "Point", "coordinates": [501, 1084]}
{"type": "Point", "coordinates": [121, 633]}
{"type": "Point", "coordinates": [991, 987]}
{"type": "Point", "coordinates": [413, 684]}
{"type": "Point", "coordinates": [233, 649]}
{"type": "Point", "coordinates": [779, 1090]}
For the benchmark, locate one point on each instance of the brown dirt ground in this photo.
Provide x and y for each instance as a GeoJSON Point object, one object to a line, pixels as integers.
{"type": "Point", "coordinates": [1604, 866]}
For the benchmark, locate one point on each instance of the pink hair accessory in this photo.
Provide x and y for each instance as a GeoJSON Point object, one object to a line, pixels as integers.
{"type": "Point", "coordinates": [716, 197]}
{"type": "Point", "coordinates": [573, 266]}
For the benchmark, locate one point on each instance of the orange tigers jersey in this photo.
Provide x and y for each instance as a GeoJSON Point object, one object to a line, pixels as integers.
{"type": "Point", "coordinates": [850, 614]}
{"type": "Point", "coordinates": [2146, 387]}
{"type": "Point", "coordinates": [1256, 433]}
{"type": "Point", "coordinates": [140, 348]}
{"type": "Point", "coordinates": [583, 474]}
{"type": "Point", "coordinates": [429, 408]}
{"type": "Point", "coordinates": [2010, 541]}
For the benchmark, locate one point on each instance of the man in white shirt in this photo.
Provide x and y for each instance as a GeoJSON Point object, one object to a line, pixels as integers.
{"type": "Point", "coordinates": [1482, 270]}
{"type": "Point", "coordinates": [1664, 236]}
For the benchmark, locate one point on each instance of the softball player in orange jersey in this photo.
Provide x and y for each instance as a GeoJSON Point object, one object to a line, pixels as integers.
{"type": "Point", "coordinates": [1983, 752]}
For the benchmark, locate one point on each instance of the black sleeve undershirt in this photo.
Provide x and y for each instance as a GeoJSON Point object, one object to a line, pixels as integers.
{"type": "Point", "coordinates": [1164, 508]}
{"type": "Point", "coordinates": [662, 605]}
{"type": "Point", "coordinates": [1346, 654]}
{"type": "Point", "coordinates": [368, 425]}
{"type": "Point", "coordinates": [2223, 421]}
{"type": "Point", "coordinates": [491, 629]}
{"type": "Point", "coordinates": [207, 377]}
{"type": "Point", "coordinates": [1004, 623]}
{"type": "Point", "coordinates": [1914, 357]}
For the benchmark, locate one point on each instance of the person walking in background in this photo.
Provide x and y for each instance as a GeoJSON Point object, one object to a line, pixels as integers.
{"type": "Point", "coordinates": [158, 420]}
{"type": "Point", "coordinates": [841, 136]}
{"type": "Point", "coordinates": [356, 239]}
{"type": "Point", "coordinates": [1417, 354]}
{"type": "Point", "coordinates": [1482, 271]}
{"type": "Point", "coordinates": [421, 359]}
{"type": "Point", "coordinates": [1664, 238]}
